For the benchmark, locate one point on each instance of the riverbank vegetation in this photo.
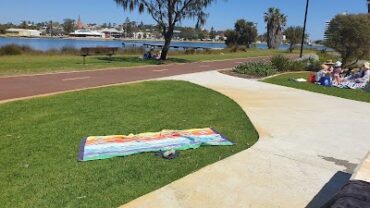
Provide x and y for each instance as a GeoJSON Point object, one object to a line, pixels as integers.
{"type": "Point", "coordinates": [25, 60]}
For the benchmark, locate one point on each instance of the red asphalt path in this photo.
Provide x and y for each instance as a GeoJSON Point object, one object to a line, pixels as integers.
{"type": "Point", "coordinates": [33, 85]}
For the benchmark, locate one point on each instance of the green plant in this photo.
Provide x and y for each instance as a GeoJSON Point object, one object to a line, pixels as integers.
{"type": "Point", "coordinates": [276, 22]}
{"type": "Point", "coordinates": [296, 66]}
{"type": "Point", "coordinates": [280, 62]}
{"type": "Point", "coordinates": [189, 51]}
{"type": "Point", "coordinates": [10, 50]}
{"type": "Point", "coordinates": [244, 34]}
{"type": "Point", "coordinates": [294, 36]}
{"type": "Point", "coordinates": [349, 35]}
{"type": "Point", "coordinates": [312, 65]}
{"type": "Point", "coordinates": [256, 69]}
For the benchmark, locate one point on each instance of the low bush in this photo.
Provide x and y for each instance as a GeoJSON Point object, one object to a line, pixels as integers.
{"type": "Point", "coordinates": [256, 69]}
{"type": "Point", "coordinates": [13, 49]}
{"type": "Point", "coordinates": [281, 63]}
{"type": "Point", "coordinates": [70, 50]}
{"type": "Point", "coordinates": [189, 51]}
{"type": "Point", "coordinates": [296, 66]}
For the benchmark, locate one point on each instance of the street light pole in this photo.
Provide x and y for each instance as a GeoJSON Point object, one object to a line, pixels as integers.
{"type": "Point", "coordinates": [304, 28]}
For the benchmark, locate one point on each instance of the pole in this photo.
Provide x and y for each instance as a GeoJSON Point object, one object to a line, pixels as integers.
{"type": "Point", "coordinates": [304, 29]}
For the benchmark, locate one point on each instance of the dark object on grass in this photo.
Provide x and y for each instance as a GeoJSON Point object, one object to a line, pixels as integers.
{"type": "Point", "coordinates": [354, 194]}
{"type": "Point", "coordinates": [109, 51]}
{"type": "Point", "coordinates": [169, 154]}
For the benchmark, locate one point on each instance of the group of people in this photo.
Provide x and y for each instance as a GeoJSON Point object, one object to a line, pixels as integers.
{"type": "Point", "coordinates": [151, 55]}
{"type": "Point", "coordinates": [332, 74]}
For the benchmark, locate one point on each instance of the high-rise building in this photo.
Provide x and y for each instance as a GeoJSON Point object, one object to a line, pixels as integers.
{"type": "Point", "coordinates": [327, 24]}
{"type": "Point", "coordinates": [368, 6]}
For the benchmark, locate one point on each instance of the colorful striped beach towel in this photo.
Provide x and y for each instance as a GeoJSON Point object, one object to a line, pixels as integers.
{"type": "Point", "coordinates": [103, 147]}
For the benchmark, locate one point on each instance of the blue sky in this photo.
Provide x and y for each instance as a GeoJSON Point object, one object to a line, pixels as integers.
{"type": "Point", "coordinates": [223, 13]}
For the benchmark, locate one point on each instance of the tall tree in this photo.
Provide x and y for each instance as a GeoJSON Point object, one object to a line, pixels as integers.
{"type": "Point", "coordinates": [245, 33]}
{"type": "Point", "coordinates": [349, 35]}
{"type": "Point", "coordinates": [294, 36]}
{"type": "Point", "coordinates": [23, 25]}
{"type": "Point", "coordinates": [167, 13]}
{"type": "Point", "coordinates": [68, 26]}
{"type": "Point", "coordinates": [212, 33]}
{"type": "Point", "coordinates": [276, 22]}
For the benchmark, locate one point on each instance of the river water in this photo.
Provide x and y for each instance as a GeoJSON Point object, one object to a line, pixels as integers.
{"type": "Point", "coordinates": [45, 44]}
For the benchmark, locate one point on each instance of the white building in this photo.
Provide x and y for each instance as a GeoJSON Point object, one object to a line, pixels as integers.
{"type": "Point", "coordinates": [86, 33]}
{"type": "Point", "coordinates": [111, 32]}
{"type": "Point", "coordinates": [142, 35]}
{"type": "Point", "coordinates": [22, 32]}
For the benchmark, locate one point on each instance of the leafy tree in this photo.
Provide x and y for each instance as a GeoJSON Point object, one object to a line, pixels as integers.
{"type": "Point", "coordinates": [167, 13]}
{"type": "Point", "coordinates": [202, 34]}
{"type": "Point", "coordinates": [188, 33]}
{"type": "Point", "coordinates": [127, 27]}
{"type": "Point", "coordinates": [68, 26]}
{"type": "Point", "coordinates": [231, 38]}
{"type": "Point", "coordinates": [276, 22]}
{"type": "Point", "coordinates": [23, 25]}
{"type": "Point", "coordinates": [294, 36]}
{"type": "Point", "coordinates": [349, 35]}
{"type": "Point", "coordinates": [244, 33]}
{"type": "Point", "coordinates": [262, 38]}
{"type": "Point", "coordinates": [141, 25]}
{"type": "Point", "coordinates": [212, 33]}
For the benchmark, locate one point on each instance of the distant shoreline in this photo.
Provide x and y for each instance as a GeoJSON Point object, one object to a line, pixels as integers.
{"type": "Point", "coordinates": [110, 39]}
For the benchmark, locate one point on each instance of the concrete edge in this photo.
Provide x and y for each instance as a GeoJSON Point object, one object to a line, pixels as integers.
{"type": "Point", "coordinates": [275, 75]}
{"type": "Point", "coordinates": [362, 171]}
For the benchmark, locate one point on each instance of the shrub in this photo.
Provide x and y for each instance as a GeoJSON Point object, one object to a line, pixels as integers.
{"type": "Point", "coordinates": [10, 50]}
{"type": "Point", "coordinates": [69, 50]}
{"type": "Point", "coordinates": [296, 66]}
{"type": "Point", "coordinates": [255, 69]}
{"type": "Point", "coordinates": [309, 57]}
{"type": "Point", "coordinates": [312, 65]}
{"type": "Point", "coordinates": [280, 62]}
{"type": "Point", "coordinates": [189, 51]}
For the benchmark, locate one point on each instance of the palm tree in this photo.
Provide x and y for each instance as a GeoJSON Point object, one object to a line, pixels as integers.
{"type": "Point", "coordinates": [276, 22]}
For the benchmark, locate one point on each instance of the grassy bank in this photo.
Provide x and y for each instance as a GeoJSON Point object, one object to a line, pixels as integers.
{"type": "Point", "coordinates": [39, 141]}
{"type": "Point", "coordinates": [283, 80]}
{"type": "Point", "coordinates": [41, 63]}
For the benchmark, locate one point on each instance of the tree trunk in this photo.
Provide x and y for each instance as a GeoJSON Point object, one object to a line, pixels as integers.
{"type": "Point", "coordinates": [167, 41]}
{"type": "Point", "coordinates": [291, 47]}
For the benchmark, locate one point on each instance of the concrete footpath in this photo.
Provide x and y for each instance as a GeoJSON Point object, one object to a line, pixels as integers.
{"type": "Point", "coordinates": [309, 146]}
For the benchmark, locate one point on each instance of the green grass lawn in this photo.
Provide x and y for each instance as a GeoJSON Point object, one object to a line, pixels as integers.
{"type": "Point", "coordinates": [39, 142]}
{"type": "Point", "coordinates": [358, 95]}
{"type": "Point", "coordinates": [28, 64]}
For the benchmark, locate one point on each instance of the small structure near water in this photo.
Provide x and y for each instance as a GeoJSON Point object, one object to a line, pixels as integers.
{"type": "Point", "coordinates": [18, 32]}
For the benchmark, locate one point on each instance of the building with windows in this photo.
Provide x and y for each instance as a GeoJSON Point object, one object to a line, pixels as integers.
{"type": "Point", "coordinates": [111, 33]}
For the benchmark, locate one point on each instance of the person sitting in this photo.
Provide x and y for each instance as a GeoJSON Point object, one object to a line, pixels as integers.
{"type": "Point", "coordinates": [149, 54]}
{"type": "Point", "coordinates": [358, 80]}
{"type": "Point", "coordinates": [337, 79]}
{"type": "Point", "coordinates": [326, 69]}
